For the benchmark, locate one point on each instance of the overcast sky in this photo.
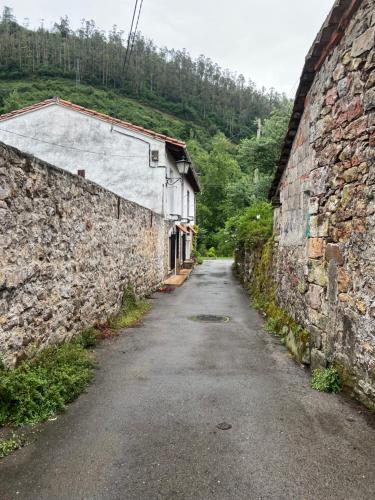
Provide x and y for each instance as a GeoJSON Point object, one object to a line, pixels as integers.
{"type": "Point", "coordinates": [265, 40]}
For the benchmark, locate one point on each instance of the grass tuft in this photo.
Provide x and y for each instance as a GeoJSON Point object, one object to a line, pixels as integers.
{"type": "Point", "coordinates": [88, 338]}
{"type": "Point", "coordinates": [132, 310]}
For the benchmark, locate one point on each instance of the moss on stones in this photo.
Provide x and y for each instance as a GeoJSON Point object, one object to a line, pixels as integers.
{"type": "Point", "coordinates": [262, 292]}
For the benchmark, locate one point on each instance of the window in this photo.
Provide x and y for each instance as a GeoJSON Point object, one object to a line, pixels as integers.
{"type": "Point", "coordinates": [188, 203]}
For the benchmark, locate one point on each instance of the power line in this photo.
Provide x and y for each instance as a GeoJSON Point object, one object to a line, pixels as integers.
{"type": "Point", "coordinates": [67, 147]}
{"type": "Point", "coordinates": [135, 31]}
{"type": "Point", "coordinates": [130, 35]}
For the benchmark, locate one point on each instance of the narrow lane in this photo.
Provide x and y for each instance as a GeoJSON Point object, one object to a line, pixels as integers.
{"type": "Point", "coordinates": [146, 429]}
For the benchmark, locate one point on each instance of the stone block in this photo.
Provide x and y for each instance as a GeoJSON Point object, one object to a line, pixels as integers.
{"type": "Point", "coordinates": [314, 296]}
{"type": "Point", "coordinates": [339, 72]}
{"type": "Point", "coordinates": [315, 248]}
{"type": "Point", "coordinates": [343, 280]}
{"type": "Point", "coordinates": [363, 43]}
{"type": "Point", "coordinates": [331, 96]}
{"type": "Point", "coordinates": [313, 206]}
{"type": "Point", "coordinates": [317, 319]}
{"type": "Point", "coordinates": [347, 58]}
{"type": "Point", "coordinates": [318, 274]}
{"type": "Point", "coordinates": [333, 252]}
{"type": "Point", "coordinates": [315, 339]}
{"type": "Point", "coordinates": [317, 360]}
{"type": "Point", "coordinates": [318, 180]}
{"type": "Point", "coordinates": [343, 86]}
{"type": "Point", "coordinates": [342, 231]}
{"type": "Point", "coordinates": [318, 226]}
{"type": "Point", "coordinates": [369, 99]}
{"type": "Point", "coordinates": [356, 128]}
{"type": "Point", "coordinates": [332, 282]}
{"type": "Point", "coordinates": [354, 108]}
{"type": "Point", "coordinates": [5, 192]}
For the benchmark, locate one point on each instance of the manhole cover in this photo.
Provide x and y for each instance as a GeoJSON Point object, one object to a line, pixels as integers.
{"type": "Point", "coordinates": [224, 426]}
{"type": "Point", "coordinates": [210, 318]}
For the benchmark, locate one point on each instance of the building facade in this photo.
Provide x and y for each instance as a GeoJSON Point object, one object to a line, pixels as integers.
{"type": "Point", "coordinates": [137, 164]}
{"type": "Point", "coordinates": [324, 199]}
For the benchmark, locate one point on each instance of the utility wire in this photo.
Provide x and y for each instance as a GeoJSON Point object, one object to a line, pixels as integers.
{"type": "Point", "coordinates": [129, 37]}
{"type": "Point", "coordinates": [68, 147]}
{"type": "Point", "coordinates": [135, 31]}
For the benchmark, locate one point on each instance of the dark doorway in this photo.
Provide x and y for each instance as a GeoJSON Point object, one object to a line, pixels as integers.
{"type": "Point", "coordinates": [177, 244]}
{"type": "Point", "coordinates": [183, 248]}
{"type": "Point", "coordinates": [172, 251]}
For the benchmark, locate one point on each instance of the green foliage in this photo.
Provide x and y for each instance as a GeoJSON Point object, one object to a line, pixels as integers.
{"type": "Point", "coordinates": [197, 256]}
{"type": "Point", "coordinates": [327, 380]}
{"type": "Point", "coordinates": [7, 446]}
{"type": "Point", "coordinates": [263, 153]}
{"type": "Point", "coordinates": [235, 184]}
{"type": "Point", "coordinates": [88, 338]}
{"type": "Point", "coordinates": [171, 80]}
{"type": "Point", "coordinates": [272, 326]}
{"type": "Point", "coordinates": [40, 387]}
{"type": "Point", "coordinates": [19, 93]}
{"type": "Point", "coordinates": [211, 254]}
{"type": "Point", "coordinates": [132, 310]}
{"type": "Point", "coordinates": [166, 91]}
{"type": "Point", "coordinates": [246, 190]}
{"type": "Point", "coordinates": [223, 243]}
{"type": "Point", "coordinates": [12, 101]}
{"type": "Point", "coordinates": [253, 227]}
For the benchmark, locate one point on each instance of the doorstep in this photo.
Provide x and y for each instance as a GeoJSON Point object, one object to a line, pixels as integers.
{"type": "Point", "coordinates": [176, 279]}
{"type": "Point", "coordinates": [185, 271]}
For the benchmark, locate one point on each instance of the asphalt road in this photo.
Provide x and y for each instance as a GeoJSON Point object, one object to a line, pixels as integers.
{"type": "Point", "coordinates": [146, 429]}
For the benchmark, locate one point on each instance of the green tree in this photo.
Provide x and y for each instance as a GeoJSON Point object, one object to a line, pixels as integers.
{"type": "Point", "coordinates": [263, 153]}
{"type": "Point", "coordinates": [218, 167]}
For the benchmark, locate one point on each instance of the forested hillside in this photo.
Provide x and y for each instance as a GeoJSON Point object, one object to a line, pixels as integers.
{"type": "Point", "coordinates": [216, 111]}
{"type": "Point", "coordinates": [171, 80]}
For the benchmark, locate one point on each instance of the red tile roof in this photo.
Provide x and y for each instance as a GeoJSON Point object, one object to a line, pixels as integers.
{"type": "Point", "coordinates": [95, 114]}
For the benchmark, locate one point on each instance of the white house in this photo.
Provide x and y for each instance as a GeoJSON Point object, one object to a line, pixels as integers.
{"type": "Point", "coordinates": [140, 165]}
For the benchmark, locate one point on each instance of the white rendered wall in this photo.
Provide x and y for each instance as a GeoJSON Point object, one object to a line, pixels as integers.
{"type": "Point", "coordinates": [109, 158]}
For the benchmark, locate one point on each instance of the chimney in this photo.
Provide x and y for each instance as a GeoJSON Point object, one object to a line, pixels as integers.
{"type": "Point", "coordinates": [81, 173]}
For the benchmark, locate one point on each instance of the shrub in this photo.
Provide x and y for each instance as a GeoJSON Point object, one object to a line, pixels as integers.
{"type": "Point", "coordinates": [40, 387]}
{"type": "Point", "coordinates": [211, 253]}
{"type": "Point", "coordinates": [197, 256]}
{"type": "Point", "coordinates": [327, 380]}
{"type": "Point", "coordinates": [254, 227]}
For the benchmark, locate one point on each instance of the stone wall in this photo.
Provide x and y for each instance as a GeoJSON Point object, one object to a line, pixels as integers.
{"type": "Point", "coordinates": [68, 248]}
{"type": "Point", "coordinates": [325, 226]}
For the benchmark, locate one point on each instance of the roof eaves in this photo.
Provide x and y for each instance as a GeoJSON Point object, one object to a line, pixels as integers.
{"type": "Point", "coordinates": [326, 40]}
{"type": "Point", "coordinates": [96, 114]}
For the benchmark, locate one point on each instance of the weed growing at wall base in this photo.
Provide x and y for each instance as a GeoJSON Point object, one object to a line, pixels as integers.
{"type": "Point", "coordinates": [132, 310]}
{"type": "Point", "coordinates": [7, 446]}
{"type": "Point", "coordinates": [327, 380]}
{"type": "Point", "coordinates": [40, 387]}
